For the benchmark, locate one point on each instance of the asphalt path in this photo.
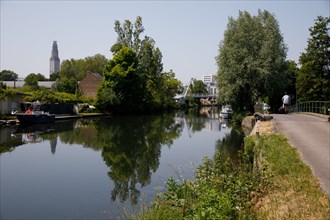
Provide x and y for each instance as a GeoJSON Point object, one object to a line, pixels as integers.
{"type": "Point", "coordinates": [311, 136]}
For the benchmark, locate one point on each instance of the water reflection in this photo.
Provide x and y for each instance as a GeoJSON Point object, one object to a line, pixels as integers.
{"type": "Point", "coordinates": [17, 135]}
{"type": "Point", "coordinates": [130, 146]}
{"type": "Point", "coordinates": [230, 144]}
{"type": "Point", "coordinates": [131, 149]}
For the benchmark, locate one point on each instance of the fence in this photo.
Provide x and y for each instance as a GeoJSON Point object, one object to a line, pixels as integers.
{"type": "Point", "coordinates": [321, 107]}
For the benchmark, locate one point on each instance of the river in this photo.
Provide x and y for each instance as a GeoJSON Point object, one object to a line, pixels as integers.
{"type": "Point", "coordinates": [98, 167]}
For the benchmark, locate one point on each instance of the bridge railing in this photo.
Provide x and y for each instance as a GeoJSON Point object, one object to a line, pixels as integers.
{"type": "Point", "coordinates": [320, 107]}
{"type": "Point", "coordinates": [200, 95]}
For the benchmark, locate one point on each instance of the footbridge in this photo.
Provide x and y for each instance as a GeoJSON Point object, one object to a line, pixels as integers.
{"type": "Point", "coordinates": [184, 95]}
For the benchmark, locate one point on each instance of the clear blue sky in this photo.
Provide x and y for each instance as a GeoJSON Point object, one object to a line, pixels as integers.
{"type": "Point", "coordinates": [188, 33]}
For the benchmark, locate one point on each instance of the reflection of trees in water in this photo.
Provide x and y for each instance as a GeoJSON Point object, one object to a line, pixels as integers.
{"type": "Point", "coordinates": [131, 148]}
{"type": "Point", "coordinates": [195, 121]}
{"type": "Point", "coordinates": [131, 145]}
{"type": "Point", "coordinates": [230, 144]}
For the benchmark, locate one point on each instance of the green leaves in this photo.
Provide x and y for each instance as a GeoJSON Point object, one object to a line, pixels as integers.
{"type": "Point", "coordinates": [8, 75]}
{"type": "Point", "coordinates": [313, 81]}
{"type": "Point", "coordinates": [251, 60]}
{"type": "Point", "coordinates": [135, 74]}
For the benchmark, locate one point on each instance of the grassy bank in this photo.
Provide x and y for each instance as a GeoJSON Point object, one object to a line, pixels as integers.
{"type": "Point", "coordinates": [294, 193]}
{"type": "Point", "coordinates": [270, 181]}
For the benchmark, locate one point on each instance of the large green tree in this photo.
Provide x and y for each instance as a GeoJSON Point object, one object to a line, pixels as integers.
{"type": "Point", "coordinates": [121, 88]}
{"type": "Point", "coordinates": [148, 90]}
{"type": "Point", "coordinates": [8, 75]}
{"type": "Point", "coordinates": [251, 61]}
{"type": "Point", "coordinates": [313, 82]}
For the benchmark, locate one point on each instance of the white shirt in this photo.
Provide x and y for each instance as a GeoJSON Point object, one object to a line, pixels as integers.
{"type": "Point", "coordinates": [286, 99]}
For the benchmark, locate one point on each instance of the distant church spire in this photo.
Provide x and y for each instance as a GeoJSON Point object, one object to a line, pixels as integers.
{"type": "Point", "coordinates": [54, 62]}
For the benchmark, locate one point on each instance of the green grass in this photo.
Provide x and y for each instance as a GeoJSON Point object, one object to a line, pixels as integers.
{"type": "Point", "coordinates": [295, 193]}
{"type": "Point", "coordinates": [269, 182]}
{"type": "Point", "coordinates": [221, 190]}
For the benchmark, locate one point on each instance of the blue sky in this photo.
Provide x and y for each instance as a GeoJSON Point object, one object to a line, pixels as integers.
{"type": "Point", "coordinates": [188, 33]}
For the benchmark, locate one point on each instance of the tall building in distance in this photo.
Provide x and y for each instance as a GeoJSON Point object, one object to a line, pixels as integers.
{"type": "Point", "coordinates": [54, 62]}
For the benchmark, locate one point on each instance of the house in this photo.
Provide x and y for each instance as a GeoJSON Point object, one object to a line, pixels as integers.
{"type": "Point", "coordinates": [11, 103]}
{"type": "Point", "coordinates": [89, 85]}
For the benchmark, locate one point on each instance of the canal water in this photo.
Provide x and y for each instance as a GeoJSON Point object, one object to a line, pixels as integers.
{"type": "Point", "coordinates": [97, 168]}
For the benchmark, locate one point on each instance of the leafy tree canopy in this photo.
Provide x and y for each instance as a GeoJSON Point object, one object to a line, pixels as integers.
{"type": "Point", "coordinates": [313, 81]}
{"type": "Point", "coordinates": [134, 78]}
{"type": "Point", "coordinates": [74, 70]}
{"type": "Point", "coordinates": [77, 68]}
{"type": "Point", "coordinates": [251, 61]}
{"type": "Point", "coordinates": [198, 87]}
{"type": "Point", "coordinates": [32, 80]}
{"type": "Point", "coordinates": [8, 75]}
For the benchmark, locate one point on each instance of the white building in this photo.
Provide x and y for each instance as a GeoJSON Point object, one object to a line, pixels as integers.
{"type": "Point", "coordinates": [209, 80]}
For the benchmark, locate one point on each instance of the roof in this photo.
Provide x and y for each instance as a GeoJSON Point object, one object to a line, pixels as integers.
{"type": "Point", "coordinates": [96, 75]}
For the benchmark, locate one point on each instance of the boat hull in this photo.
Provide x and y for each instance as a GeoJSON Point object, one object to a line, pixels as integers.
{"type": "Point", "coordinates": [35, 118]}
{"type": "Point", "coordinates": [225, 115]}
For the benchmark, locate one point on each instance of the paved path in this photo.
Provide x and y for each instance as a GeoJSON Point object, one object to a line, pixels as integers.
{"type": "Point", "coordinates": [311, 136]}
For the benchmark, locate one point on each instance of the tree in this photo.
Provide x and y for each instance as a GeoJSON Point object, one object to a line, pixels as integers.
{"type": "Point", "coordinates": [8, 75]}
{"type": "Point", "coordinates": [74, 70]}
{"type": "Point", "coordinates": [54, 76]}
{"type": "Point", "coordinates": [3, 88]}
{"type": "Point", "coordinates": [122, 80]}
{"type": "Point", "coordinates": [169, 86]}
{"type": "Point", "coordinates": [68, 85]}
{"type": "Point", "coordinates": [147, 90]}
{"type": "Point", "coordinates": [251, 61]}
{"type": "Point", "coordinates": [77, 68]}
{"type": "Point", "coordinates": [32, 80]}
{"type": "Point", "coordinates": [313, 81]}
{"type": "Point", "coordinates": [128, 35]}
{"type": "Point", "coordinates": [198, 87]}
{"type": "Point", "coordinates": [292, 73]}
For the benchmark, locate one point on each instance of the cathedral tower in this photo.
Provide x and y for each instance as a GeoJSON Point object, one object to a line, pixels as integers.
{"type": "Point", "coordinates": [54, 62]}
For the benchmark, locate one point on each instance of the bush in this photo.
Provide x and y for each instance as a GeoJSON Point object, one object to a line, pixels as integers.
{"type": "Point", "coordinates": [221, 190]}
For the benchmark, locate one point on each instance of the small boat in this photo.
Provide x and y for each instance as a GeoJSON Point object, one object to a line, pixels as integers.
{"type": "Point", "coordinates": [34, 115]}
{"type": "Point", "coordinates": [226, 112]}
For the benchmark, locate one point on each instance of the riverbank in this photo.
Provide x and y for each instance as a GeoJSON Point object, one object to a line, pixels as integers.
{"type": "Point", "coordinates": [271, 182]}
{"type": "Point", "coordinates": [294, 192]}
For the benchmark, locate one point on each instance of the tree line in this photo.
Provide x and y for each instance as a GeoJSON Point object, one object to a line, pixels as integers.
{"type": "Point", "coordinates": [252, 66]}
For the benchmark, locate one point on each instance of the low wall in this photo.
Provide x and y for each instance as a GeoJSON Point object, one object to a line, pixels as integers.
{"type": "Point", "coordinates": [248, 124]}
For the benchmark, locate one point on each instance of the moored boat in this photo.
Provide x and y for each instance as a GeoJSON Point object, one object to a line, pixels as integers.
{"type": "Point", "coordinates": [226, 112]}
{"type": "Point", "coordinates": [34, 115]}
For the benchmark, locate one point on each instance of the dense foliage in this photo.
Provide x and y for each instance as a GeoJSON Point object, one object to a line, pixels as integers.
{"type": "Point", "coordinates": [292, 73]}
{"type": "Point", "coordinates": [50, 96]}
{"type": "Point", "coordinates": [197, 87]}
{"type": "Point", "coordinates": [8, 75]}
{"type": "Point", "coordinates": [251, 61]}
{"type": "Point", "coordinates": [223, 189]}
{"type": "Point", "coordinates": [313, 82]}
{"type": "Point", "coordinates": [134, 80]}
{"type": "Point", "coordinates": [74, 70]}
{"type": "Point", "coordinates": [4, 91]}
{"type": "Point", "coordinates": [32, 79]}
